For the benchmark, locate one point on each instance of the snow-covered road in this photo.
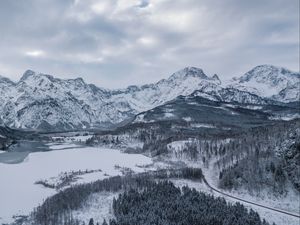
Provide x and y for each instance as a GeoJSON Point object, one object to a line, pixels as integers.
{"type": "Point", "coordinates": [249, 202]}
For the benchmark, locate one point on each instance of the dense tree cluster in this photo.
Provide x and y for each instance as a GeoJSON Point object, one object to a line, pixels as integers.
{"type": "Point", "coordinates": [57, 209]}
{"type": "Point", "coordinates": [164, 204]}
{"type": "Point", "coordinates": [289, 151]}
{"type": "Point", "coordinates": [254, 162]}
{"type": "Point", "coordinates": [250, 160]}
{"type": "Point", "coordinates": [257, 170]}
{"type": "Point", "coordinates": [147, 199]}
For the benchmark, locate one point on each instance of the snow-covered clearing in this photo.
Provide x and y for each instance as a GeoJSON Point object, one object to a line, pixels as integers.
{"type": "Point", "coordinates": [202, 125]}
{"type": "Point", "coordinates": [19, 193]}
{"type": "Point", "coordinates": [98, 206]}
{"type": "Point", "coordinates": [187, 119]}
{"type": "Point", "coordinates": [168, 115]}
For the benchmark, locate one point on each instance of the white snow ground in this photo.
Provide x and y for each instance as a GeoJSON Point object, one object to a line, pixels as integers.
{"type": "Point", "coordinates": [18, 193]}
{"type": "Point", "coordinates": [98, 207]}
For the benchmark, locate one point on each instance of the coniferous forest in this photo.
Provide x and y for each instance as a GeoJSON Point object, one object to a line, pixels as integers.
{"type": "Point", "coordinates": [148, 198]}
{"type": "Point", "coordinates": [164, 204]}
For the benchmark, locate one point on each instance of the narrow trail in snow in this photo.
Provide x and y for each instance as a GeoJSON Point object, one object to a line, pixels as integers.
{"type": "Point", "coordinates": [249, 202]}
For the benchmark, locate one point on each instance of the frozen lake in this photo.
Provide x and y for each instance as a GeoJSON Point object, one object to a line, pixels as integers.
{"type": "Point", "coordinates": [18, 192]}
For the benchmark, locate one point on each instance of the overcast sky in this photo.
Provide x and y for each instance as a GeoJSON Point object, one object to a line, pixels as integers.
{"type": "Point", "coordinates": [115, 43]}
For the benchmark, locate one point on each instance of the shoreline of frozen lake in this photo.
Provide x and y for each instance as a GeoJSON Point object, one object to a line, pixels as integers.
{"type": "Point", "coordinates": [19, 193]}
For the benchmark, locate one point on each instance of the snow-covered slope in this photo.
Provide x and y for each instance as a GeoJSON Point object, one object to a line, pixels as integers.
{"type": "Point", "coordinates": [219, 111]}
{"type": "Point", "coordinates": [5, 86]}
{"type": "Point", "coordinates": [218, 93]}
{"type": "Point", "coordinates": [40, 100]}
{"type": "Point", "coordinates": [45, 102]}
{"type": "Point", "coordinates": [272, 82]}
{"type": "Point", "coordinates": [183, 82]}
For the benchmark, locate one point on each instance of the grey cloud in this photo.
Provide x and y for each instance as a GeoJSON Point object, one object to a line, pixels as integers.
{"type": "Point", "coordinates": [119, 42]}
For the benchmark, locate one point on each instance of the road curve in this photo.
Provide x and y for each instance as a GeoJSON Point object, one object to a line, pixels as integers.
{"type": "Point", "coordinates": [252, 203]}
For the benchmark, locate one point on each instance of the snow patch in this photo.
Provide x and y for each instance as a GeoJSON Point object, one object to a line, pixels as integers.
{"type": "Point", "coordinates": [168, 115]}
{"type": "Point", "coordinates": [98, 206]}
{"type": "Point", "coordinates": [187, 119]}
{"type": "Point", "coordinates": [202, 125]}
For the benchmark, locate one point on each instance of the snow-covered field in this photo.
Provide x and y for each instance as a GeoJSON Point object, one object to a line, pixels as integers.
{"type": "Point", "coordinates": [202, 125]}
{"type": "Point", "coordinates": [18, 193]}
{"type": "Point", "coordinates": [98, 206]}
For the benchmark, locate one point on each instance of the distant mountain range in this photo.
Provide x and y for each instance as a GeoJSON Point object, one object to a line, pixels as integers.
{"type": "Point", "coordinates": [41, 101]}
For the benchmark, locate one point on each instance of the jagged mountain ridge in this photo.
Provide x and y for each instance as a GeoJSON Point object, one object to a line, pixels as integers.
{"type": "Point", "coordinates": [42, 101]}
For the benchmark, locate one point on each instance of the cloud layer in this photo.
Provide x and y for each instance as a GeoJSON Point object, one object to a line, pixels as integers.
{"type": "Point", "coordinates": [115, 43]}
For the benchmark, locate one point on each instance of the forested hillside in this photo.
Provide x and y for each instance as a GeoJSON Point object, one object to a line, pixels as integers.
{"type": "Point", "coordinates": [261, 157]}
{"type": "Point", "coordinates": [265, 158]}
{"type": "Point", "coordinates": [57, 209]}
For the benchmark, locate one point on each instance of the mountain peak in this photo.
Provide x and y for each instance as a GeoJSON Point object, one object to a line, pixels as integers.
{"type": "Point", "coordinates": [271, 82]}
{"type": "Point", "coordinates": [266, 66]}
{"type": "Point", "coordinates": [189, 72]}
{"type": "Point", "coordinates": [266, 72]}
{"type": "Point", "coordinates": [193, 71]}
{"type": "Point", "coordinates": [6, 80]}
{"type": "Point", "coordinates": [27, 74]}
{"type": "Point", "coordinates": [78, 80]}
{"type": "Point", "coordinates": [216, 77]}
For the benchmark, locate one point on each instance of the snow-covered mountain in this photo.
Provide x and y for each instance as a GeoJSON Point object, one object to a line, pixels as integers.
{"type": "Point", "coordinates": [183, 82]}
{"type": "Point", "coordinates": [272, 82]}
{"type": "Point", "coordinates": [218, 110]}
{"type": "Point", "coordinates": [45, 102]}
{"type": "Point", "coordinates": [42, 101]}
{"type": "Point", "coordinates": [5, 85]}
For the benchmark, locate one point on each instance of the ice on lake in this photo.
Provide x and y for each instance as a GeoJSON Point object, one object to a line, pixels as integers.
{"type": "Point", "coordinates": [18, 193]}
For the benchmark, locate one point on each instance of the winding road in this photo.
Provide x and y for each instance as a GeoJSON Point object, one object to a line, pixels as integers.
{"type": "Point", "coordinates": [252, 203]}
